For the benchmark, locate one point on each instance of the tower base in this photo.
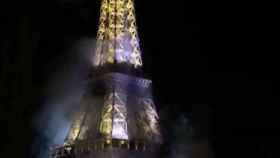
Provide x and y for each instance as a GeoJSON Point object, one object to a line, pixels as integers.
{"type": "Point", "coordinates": [105, 150]}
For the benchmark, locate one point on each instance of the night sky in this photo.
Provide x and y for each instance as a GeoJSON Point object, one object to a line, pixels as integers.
{"type": "Point", "coordinates": [215, 66]}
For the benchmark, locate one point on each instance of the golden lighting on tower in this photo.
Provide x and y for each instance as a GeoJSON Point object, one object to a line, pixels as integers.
{"type": "Point", "coordinates": [117, 38]}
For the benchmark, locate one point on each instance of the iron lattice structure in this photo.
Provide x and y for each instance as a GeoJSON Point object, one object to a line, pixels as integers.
{"type": "Point", "coordinates": [117, 38]}
{"type": "Point", "coordinates": [117, 115]}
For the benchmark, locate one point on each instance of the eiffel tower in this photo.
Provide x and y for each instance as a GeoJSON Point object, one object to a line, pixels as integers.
{"type": "Point", "coordinates": [117, 116]}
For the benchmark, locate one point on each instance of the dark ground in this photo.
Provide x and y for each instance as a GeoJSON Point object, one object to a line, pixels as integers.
{"type": "Point", "coordinates": [215, 64]}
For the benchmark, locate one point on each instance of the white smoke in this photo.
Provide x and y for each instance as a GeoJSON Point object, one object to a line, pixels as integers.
{"type": "Point", "coordinates": [182, 138]}
{"type": "Point", "coordinates": [63, 94]}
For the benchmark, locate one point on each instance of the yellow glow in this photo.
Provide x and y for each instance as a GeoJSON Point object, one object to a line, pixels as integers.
{"type": "Point", "coordinates": [106, 120]}
{"type": "Point", "coordinates": [75, 127]}
{"type": "Point", "coordinates": [117, 22]}
{"type": "Point", "coordinates": [108, 141]}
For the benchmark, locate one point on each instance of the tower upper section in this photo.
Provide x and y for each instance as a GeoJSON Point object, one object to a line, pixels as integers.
{"type": "Point", "coordinates": [117, 38]}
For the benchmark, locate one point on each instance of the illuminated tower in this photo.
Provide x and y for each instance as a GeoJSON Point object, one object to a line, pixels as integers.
{"type": "Point", "coordinates": [117, 116]}
{"type": "Point", "coordinates": [117, 39]}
